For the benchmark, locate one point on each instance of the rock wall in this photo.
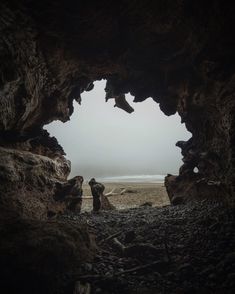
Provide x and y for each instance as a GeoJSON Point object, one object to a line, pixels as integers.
{"type": "Point", "coordinates": [31, 168]}
{"type": "Point", "coordinates": [177, 52]}
{"type": "Point", "coordinates": [208, 156]}
{"type": "Point", "coordinates": [42, 257]}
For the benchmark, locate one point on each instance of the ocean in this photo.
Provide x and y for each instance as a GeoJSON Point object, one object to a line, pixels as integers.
{"type": "Point", "coordinates": [133, 179]}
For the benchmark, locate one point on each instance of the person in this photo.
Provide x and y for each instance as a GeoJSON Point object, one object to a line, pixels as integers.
{"type": "Point", "coordinates": [97, 190]}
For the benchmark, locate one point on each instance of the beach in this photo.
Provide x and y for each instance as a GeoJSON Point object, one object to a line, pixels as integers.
{"type": "Point", "coordinates": [136, 194]}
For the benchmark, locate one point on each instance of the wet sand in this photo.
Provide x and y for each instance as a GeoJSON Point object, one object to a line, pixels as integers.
{"type": "Point", "coordinates": [136, 194]}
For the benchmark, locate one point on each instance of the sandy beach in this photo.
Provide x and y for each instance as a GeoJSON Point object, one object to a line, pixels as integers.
{"type": "Point", "coordinates": [135, 195]}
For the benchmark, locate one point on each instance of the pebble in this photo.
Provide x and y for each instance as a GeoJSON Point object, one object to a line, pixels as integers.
{"type": "Point", "coordinates": [200, 246]}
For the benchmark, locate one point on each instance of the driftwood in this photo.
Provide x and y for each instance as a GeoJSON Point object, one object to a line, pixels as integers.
{"type": "Point", "coordinates": [109, 194]}
{"type": "Point", "coordinates": [110, 237]}
{"type": "Point", "coordinates": [156, 264]}
{"type": "Point", "coordinates": [119, 246]}
{"type": "Point", "coordinates": [137, 250]}
{"type": "Point", "coordinates": [141, 267]}
{"type": "Point", "coordinates": [112, 193]}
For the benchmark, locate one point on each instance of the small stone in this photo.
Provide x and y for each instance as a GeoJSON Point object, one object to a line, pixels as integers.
{"type": "Point", "coordinates": [108, 274]}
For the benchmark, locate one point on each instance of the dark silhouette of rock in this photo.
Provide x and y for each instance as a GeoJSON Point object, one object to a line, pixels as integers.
{"type": "Point", "coordinates": [100, 201]}
{"type": "Point", "coordinates": [70, 193]}
{"type": "Point", "coordinates": [97, 190]}
{"type": "Point", "coordinates": [39, 255]}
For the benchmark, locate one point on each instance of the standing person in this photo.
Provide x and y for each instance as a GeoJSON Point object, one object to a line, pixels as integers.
{"type": "Point", "coordinates": [97, 190]}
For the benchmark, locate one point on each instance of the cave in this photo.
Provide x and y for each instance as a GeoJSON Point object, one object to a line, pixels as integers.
{"type": "Point", "coordinates": [179, 53]}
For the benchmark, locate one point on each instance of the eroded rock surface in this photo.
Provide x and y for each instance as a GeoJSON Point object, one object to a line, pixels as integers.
{"type": "Point", "coordinates": [29, 173]}
{"type": "Point", "coordinates": [42, 256]}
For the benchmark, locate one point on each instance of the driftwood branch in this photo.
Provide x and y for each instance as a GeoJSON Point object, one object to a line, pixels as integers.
{"type": "Point", "coordinates": [158, 264]}
{"type": "Point", "coordinates": [111, 193]}
{"type": "Point", "coordinates": [137, 250]}
{"type": "Point", "coordinates": [140, 267]}
{"type": "Point", "coordinates": [110, 237]}
{"type": "Point", "coordinates": [119, 246]}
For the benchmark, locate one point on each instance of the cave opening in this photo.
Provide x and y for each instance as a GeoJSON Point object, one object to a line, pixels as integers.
{"type": "Point", "coordinates": [132, 152]}
{"type": "Point", "coordinates": [180, 53]}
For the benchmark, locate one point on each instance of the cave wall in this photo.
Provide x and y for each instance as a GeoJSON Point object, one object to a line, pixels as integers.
{"type": "Point", "coordinates": [180, 53]}
{"type": "Point", "coordinates": [30, 180]}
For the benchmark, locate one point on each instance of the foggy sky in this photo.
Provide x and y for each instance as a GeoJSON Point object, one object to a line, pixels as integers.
{"type": "Point", "coordinates": [101, 140]}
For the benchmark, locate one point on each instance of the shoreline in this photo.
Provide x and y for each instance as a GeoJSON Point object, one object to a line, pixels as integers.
{"type": "Point", "coordinates": [133, 179]}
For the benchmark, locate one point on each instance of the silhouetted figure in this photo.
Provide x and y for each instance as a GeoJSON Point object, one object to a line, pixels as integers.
{"type": "Point", "coordinates": [97, 190]}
